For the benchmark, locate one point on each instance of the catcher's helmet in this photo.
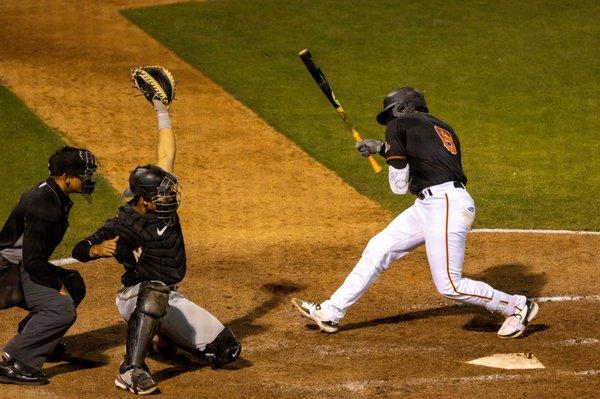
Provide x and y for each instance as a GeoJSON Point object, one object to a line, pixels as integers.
{"type": "Point", "coordinates": [402, 101]}
{"type": "Point", "coordinates": [76, 162]}
{"type": "Point", "coordinates": [157, 186]}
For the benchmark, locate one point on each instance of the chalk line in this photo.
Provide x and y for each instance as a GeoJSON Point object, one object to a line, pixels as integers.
{"type": "Point", "coordinates": [532, 231]}
{"type": "Point", "coordinates": [567, 298]}
{"type": "Point", "coordinates": [64, 261]}
{"type": "Point", "coordinates": [68, 261]}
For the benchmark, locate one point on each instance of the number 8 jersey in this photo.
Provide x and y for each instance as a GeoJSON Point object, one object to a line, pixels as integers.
{"type": "Point", "coordinates": [428, 145]}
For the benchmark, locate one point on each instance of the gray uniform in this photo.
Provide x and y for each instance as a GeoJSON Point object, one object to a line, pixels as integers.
{"type": "Point", "coordinates": [186, 324]}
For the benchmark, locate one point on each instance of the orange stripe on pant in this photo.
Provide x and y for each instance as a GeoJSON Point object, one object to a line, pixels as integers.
{"type": "Point", "coordinates": [448, 258]}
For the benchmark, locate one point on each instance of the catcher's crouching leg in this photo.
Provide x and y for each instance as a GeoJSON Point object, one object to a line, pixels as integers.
{"type": "Point", "coordinates": [223, 350]}
{"type": "Point", "coordinates": [151, 306]}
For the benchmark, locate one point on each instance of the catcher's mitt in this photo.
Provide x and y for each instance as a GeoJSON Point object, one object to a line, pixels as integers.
{"type": "Point", "coordinates": [155, 83]}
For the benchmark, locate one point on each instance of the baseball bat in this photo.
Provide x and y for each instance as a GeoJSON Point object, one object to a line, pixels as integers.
{"type": "Point", "coordinates": [321, 80]}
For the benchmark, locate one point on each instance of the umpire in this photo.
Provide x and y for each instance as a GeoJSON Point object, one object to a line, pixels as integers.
{"type": "Point", "coordinates": [29, 237]}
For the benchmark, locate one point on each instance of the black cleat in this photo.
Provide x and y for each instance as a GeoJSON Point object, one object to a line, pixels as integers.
{"type": "Point", "coordinates": [60, 353]}
{"type": "Point", "coordinates": [14, 372]}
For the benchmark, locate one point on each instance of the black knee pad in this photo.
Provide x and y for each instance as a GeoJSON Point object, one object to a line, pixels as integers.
{"type": "Point", "coordinates": [223, 350]}
{"type": "Point", "coordinates": [153, 298]}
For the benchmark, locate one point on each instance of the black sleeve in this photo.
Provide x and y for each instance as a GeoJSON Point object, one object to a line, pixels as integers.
{"type": "Point", "coordinates": [395, 138]}
{"type": "Point", "coordinates": [81, 251]}
{"type": "Point", "coordinates": [35, 262]}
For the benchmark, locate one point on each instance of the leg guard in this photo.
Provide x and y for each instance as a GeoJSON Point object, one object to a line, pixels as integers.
{"type": "Point", "coordinates": [151, 306]}
{"type": "Point", "coordinates": [224, 349]}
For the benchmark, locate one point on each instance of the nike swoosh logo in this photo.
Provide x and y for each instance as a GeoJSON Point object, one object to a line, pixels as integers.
{"type": "Point", "coordinates": [161, 231]}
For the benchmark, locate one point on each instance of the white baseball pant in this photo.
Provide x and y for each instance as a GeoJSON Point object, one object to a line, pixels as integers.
{"type": "Point", "coordinates": [441, 221]}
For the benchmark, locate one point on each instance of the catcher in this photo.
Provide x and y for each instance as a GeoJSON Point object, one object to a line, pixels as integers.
{"type": "Point", "coordinates": [146, 238]}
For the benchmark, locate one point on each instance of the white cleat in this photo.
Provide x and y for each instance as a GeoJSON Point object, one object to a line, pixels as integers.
{"type": "Point", "coordinates": [515, 325]}
{"type": "Point", "coordinates": [313, 311]}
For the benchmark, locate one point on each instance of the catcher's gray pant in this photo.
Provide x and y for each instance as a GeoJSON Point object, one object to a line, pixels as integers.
{"type": "Point", "coordinates": [186, 324]}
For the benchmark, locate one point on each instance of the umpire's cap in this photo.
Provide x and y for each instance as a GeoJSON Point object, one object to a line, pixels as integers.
{"type": "Point", "coordinates": [72, 161]}
{"type": "Point", "coordinates": [406, 99]}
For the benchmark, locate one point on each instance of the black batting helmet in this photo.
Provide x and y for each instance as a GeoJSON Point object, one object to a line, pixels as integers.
{"type": "Point", "coordinates": [402, 101]}
{"type": "Point", "coordinates": [157, 186]}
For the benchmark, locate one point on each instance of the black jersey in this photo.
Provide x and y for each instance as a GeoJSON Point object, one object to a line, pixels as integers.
{"type": "Point", "coordinates": [34, 229]}
{"type": "Point", "coordinates": [147, 247]}
{"type": "Point", "coordinates": [429, 146]}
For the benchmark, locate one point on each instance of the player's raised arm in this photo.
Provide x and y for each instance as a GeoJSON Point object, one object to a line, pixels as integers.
{"type": "Point", "coordinates": [158, 86]}
{"type": "Point", "coordinates": [165, 148]}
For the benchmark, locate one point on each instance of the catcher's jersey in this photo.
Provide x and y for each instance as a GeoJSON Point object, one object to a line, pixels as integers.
{"type": "Point", "coordinates": [147, 247]}
{"type": "Point", "coordinates": [429, 146]}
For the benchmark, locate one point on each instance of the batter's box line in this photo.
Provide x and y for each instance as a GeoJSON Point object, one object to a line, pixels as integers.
{"type": "Point", "coordinates": [500, 377]}
{"type": "Point", "coordinates": [533, 231]}
{"type": "Point", "coordinates": [68, 261]}
{"type": "Point", "coordinates": [567, 298]}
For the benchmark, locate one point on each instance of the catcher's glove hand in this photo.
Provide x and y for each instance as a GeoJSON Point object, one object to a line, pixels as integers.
{"type": "Point", "coordinates": [155, 83]}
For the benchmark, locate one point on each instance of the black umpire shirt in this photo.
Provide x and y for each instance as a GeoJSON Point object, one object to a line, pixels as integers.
{"type": "Point", "coordinates": [35, 228]}
{"type": "Point", "coordinates": [428, 145]}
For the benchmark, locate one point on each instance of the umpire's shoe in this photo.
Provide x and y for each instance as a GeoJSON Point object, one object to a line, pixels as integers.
{"type": "Point", "coordinates": [60, 353]}
{"type": "Point", "coordinates": [515, 325]}
{"type": "Point", "coordinates": [135, 379]}
{"type": "Point", "coordinates": [14, 372]}
{"type": "Point", "coordinates": [314, 312]}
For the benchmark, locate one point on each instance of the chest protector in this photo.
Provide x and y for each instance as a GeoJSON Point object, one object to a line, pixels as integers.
{"type": "Point", "coordinates": [162, 250]}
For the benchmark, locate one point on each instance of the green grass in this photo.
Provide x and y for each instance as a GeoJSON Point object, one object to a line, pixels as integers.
{"type": "Point", "coordinates": [517, 80]}
{"type": "Point", "coordinates": [27, 143]}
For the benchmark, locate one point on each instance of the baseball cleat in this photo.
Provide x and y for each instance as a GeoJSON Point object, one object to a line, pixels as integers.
{"type": "Point", "coordinates": [314, 312]}
{"type": "Point", "coordinates": [136, 380]}
{"type": "Point", "coordinates": [515, 325]}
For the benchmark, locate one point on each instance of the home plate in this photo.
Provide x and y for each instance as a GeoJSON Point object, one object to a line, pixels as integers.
{"type": "Point", "coordinates": [511, 361]}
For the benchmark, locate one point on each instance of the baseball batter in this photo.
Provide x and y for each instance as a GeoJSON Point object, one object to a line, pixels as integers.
{"type": "Point", "coordinates": [424, 157]}
{"type": "Point", "coordinates": [146, 238]}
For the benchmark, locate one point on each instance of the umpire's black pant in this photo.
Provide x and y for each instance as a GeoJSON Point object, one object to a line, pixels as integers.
{"type": "Point", "coordinates": [52, 314]}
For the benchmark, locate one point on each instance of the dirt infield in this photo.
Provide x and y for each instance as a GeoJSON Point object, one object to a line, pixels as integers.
{"type": "Point", "coordinates": [263, 223]}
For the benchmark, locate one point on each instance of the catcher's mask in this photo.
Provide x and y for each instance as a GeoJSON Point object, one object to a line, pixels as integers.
{"type": "Point", "coordinates": [402, 101]}
{"type": "Point", "coordinates": [76, 162]}
{"type": "Point", "coordinates": [157, 186]}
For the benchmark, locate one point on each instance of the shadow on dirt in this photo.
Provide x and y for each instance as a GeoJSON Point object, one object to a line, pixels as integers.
{"type": "Point", "coordinates": [411, 316]}
{"type": "Point", "coordinates": [98, 341]}
{"type": "Point", "coordinates": [244, 326]}
{"type": "Point", "coordinates": [512, 278]}
{"type": "Point", "coordinates": [91, 346]}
